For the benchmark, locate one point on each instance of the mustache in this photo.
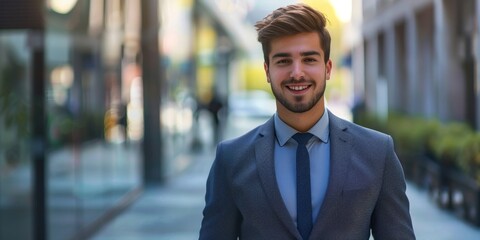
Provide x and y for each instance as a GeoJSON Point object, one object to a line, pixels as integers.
{"type": "Point", "coordinates": [300, 80]}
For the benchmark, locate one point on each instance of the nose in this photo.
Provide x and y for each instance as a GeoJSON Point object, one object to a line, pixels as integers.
{"type": "Point", "coordinates": [297, 72]}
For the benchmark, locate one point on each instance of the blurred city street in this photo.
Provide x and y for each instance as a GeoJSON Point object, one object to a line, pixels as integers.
{"type": "Point", "coordinates": [110, 110]}
{"type": "Point", "coordinates": [173, 211]}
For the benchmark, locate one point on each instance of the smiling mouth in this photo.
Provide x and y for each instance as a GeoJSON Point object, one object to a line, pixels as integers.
{"type": "Point", "coordinates": [298, 88]}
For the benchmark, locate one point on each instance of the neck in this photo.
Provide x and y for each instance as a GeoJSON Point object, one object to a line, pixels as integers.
{"type": "Point", "coordinates": [302, 122]}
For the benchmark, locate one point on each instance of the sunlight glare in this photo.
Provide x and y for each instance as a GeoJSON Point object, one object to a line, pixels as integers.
{"type": "Point", "coordinates": [343, 9]}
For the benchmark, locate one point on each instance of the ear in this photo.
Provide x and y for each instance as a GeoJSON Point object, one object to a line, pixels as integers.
{"type": "Point", "coordinates": [265, 67]}
{"type": "Point", "coordinates": [328, 69]}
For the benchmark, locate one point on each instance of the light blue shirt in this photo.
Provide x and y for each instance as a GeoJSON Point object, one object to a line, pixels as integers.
{"type": "Point", "coordinates": [285, 163]}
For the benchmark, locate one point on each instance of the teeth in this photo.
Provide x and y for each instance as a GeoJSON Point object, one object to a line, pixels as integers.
{"type": "Point", "coordinates": [298, 88]}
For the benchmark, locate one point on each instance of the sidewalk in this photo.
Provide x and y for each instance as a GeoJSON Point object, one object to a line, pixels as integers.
{"type": "Point", "coordinates": [174, 211]}
{"type": "Point", "coordinates": [170, 212]}
{"type": "Point", "coordinates": [430, 222]}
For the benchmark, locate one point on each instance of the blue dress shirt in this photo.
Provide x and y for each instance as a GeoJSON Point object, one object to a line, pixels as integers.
{"type": "Point", "coordinates": [284, 156]}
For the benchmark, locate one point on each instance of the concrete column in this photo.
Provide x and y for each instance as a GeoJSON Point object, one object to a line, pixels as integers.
{"type": "Point", "coordinates": [358, 54]}
{"type": "Point", "coordinates": [371, 73]}
{"type": "Point", "coordinates": [425, 60]}
{"type": "Point", "coordinates": [441, 60]}
{"type": "Point", "coordinates": [153, 166]}
{"type": "Point", "coordinates": [411, 55]}
{"type": "Point", "coordinates": [390, 65]}
{"type": "Point", "coordinates": [477, 63]}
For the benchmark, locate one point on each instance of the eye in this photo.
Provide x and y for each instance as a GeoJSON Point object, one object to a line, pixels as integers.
{"type": "Point", "coordinates": [308, 60]}
{"type": "Point", "coordinates": [283, 61]}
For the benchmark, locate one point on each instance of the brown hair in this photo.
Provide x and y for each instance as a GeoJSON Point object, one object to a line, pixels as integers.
{"type": "Point", "coordinates": [291, 20]}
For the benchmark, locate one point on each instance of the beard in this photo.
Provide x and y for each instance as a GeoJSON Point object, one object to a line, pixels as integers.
{"type": "Point", "coordinates": [297, 106]}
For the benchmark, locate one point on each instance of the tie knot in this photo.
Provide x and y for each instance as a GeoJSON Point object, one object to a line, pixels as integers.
{"type": "Point", "coordinates": [302, 138]}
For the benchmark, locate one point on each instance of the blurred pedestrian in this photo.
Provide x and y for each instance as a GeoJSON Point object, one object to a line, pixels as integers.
{"type": "Point", "coordinates": [123, 121]}
{"type": "Point", "coordinates": [305, 173]}
{"type": "Point", "coordinates": [215, 105]}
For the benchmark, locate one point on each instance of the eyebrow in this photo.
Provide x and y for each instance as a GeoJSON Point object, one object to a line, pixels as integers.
{"type": "Point", "coordinates": [310, 53]}
{"type": "Point", "coordinates": [303, 54]}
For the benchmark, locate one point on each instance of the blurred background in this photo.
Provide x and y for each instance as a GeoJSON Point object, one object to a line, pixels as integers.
{"type": "Point", "coordinates": [103, 100]}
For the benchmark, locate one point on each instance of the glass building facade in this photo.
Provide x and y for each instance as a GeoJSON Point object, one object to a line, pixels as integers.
{"type": "Point", "coordinates": [91, 142]}
{"type": "Point", "coordinates": [15, 131]}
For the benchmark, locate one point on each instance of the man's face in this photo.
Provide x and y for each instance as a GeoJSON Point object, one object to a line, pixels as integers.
{"type": "Point", "coordinates": [297, 72]}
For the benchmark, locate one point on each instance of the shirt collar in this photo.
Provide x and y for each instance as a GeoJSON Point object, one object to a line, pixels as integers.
{"type": "Point", "coordinates": [285, 132]}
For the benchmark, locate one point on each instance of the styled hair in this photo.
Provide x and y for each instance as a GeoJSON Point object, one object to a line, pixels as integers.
{"type": "Point", "coordinates": [291, 20]}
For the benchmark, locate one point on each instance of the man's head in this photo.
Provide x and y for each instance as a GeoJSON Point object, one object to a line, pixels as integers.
{"type": "Point", "coordinates": [291, 20]}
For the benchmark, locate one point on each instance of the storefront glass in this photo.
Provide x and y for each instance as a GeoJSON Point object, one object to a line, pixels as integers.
{"type": "Point", "coordinates": [15, 137]}
{"type": "Point", "coordinates": [93, 161]}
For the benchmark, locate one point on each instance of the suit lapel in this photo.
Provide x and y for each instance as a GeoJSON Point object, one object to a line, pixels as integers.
{"type": "Point", "coordinates": [264, 153]}
{"type": "Point", "coordinates": [340, 149]}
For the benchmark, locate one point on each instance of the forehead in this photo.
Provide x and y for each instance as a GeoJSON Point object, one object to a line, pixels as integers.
{"type": "Point", "coordinates": [297, 43]}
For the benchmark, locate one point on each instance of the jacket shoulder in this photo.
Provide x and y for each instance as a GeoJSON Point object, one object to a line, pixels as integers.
{"type": "Point", "coordinates": [361, 135]}
{"type": "Point", "coordinates": [248, 139]}
{"type": "Point", "coordinates": [364, 132]}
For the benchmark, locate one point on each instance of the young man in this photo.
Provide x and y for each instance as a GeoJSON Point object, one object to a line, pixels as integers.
{"type": "Point", "coordinates": [341, 182]}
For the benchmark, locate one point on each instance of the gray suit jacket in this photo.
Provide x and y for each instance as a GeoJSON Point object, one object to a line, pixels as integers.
{"type": "Point", "coordinates": [366, 189]}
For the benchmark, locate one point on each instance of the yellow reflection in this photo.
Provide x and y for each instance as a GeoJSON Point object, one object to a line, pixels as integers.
{"type": "Point", "coordinates": [115, 129]}
{"type": "Point", "coordinates": [61, 6]}
{"type": "Point", "coordinates": [62, 75]}
{"type": "Point", "coordinates": [61, 79]}
{"type": "Point", "coordinates": [135, 110]}
{"type": "Point", "coordinates": [343, 9]}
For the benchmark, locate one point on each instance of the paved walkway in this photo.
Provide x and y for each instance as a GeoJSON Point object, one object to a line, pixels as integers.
{"type": "Point", "coordinates": [170, 212]}
{"type": "Point", "coordinates": [174, 211]}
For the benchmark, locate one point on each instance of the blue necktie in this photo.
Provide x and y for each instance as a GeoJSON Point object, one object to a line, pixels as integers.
{"type": "Point", "coordinates": [304, 199]}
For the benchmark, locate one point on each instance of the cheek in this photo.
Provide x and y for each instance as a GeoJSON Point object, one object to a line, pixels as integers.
{"type": "Point", "coordinates": [319, 73]}
{"type": "Point", "coordinates": [277, 74]}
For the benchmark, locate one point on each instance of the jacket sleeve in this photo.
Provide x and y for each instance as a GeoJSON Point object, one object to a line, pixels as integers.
{"type": "Point", "coordinates": [221, 218]}
{"type": "Point", "coordinates": [391, 217]}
